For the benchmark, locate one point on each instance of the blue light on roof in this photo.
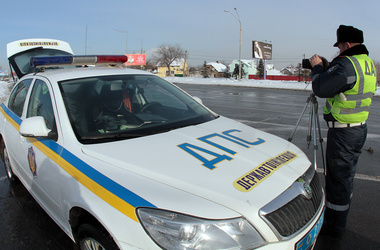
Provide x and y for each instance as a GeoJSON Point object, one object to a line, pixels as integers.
{"type": "Point", "coordinates": [76, 60]}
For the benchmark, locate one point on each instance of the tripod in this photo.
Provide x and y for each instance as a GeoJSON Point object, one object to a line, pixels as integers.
{"type": "Point", "coordinates": [312, 131]}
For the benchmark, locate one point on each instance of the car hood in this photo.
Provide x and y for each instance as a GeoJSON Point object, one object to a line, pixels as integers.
{"type": "Point", "coordinates": [223, 161]}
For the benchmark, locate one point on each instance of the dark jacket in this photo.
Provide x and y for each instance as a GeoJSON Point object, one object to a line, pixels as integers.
{"type": "Point", "coordinates": [340, 76]}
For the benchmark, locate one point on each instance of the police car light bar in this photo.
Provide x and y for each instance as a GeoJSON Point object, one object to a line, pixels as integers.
{"type": "Point", "coordinates": [70, 60]}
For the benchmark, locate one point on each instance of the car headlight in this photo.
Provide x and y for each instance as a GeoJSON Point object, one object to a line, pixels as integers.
{"type": "Point", "coordinates": [179, 231]}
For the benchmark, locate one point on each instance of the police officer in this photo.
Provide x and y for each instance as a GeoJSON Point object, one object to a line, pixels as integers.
{"type": "Point", "coordinates": [348, 84]}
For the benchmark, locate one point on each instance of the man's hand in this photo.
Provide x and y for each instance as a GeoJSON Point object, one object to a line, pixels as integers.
{"type": "Point", "coordinates": [316, 60]}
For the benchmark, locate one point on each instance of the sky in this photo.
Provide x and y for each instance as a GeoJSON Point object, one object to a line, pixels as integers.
{"type": "Point", "coordinates": [295, 28]}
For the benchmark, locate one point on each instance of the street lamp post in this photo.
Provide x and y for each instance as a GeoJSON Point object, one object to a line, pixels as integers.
{"type": "Point", "coordinates": [238, 18]}
{"type": "Point", "coordinates": [126, 42]}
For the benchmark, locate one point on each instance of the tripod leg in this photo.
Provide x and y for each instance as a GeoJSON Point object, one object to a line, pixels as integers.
{"type": "Point", "coordinates": [314, 117]}
{"type": "Point", "coordinates": [299, 120]}
{"type": "Point", "coordinates": [321, 142]}
{"type": "Point", "coordinates": [311, 123]}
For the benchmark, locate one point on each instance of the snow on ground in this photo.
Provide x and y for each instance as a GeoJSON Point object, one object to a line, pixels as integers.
{"type": "Point", "coordinates": [293, 85]}
{"type": "Point", "coordinates": [243, 83]}
{"type": "Point", "coordinates": [4, 90]}
{"type": "Point", "coordinates": [4, 86]}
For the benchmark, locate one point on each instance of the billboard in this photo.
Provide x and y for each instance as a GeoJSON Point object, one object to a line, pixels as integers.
{"type": "Point", "coordinates": [136, 59]}
{"type": "Point", "coordinates": [261, 50]}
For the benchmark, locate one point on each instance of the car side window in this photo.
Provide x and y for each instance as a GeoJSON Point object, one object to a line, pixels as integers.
{"type": "Point", "coordinates": [18, 95]}
{"type": "Point", "coordinates": [40, 104]}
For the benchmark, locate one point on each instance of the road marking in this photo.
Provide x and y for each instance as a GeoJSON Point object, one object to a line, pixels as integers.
{"type": "Point", "coordinates": [300, 126]}
{"type": "Point", "coordinates": [360, 176]}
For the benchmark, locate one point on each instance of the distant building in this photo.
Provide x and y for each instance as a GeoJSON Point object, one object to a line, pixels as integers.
{"type": "Point", "coordinates": [178, 67]}
{"type": "Point", "coordinates": [290, 71]}
{"type": "Point", "coordinates": [249, 67]}
{"type": "Point", "coordinates": [271, 71]}
{"type": "Point", "coordinates": [216, 69]}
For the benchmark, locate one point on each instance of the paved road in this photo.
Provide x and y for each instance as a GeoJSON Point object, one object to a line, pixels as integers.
{"type": "Point", "coordinates": [24, 225]}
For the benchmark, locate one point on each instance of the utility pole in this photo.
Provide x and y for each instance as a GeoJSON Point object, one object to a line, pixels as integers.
{"type": "Point", "coordinates": [238, 18]}
{"type": "Point", "coordinates": [85, 43]}
{"type": "Point", "coordinates": [184, 64]}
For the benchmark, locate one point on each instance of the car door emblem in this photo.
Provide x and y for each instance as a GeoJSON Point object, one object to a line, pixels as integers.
{"type": "Point", "coordinates": [32, 161]}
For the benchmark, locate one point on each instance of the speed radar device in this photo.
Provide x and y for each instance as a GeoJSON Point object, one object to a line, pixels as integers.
{"type": "Point", "coordinates": [306, 64]}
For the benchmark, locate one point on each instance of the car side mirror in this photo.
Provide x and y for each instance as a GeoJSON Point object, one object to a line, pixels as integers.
{"type": "Point", "coordinates": [35, 127]}
{"type": "Point", "coordinates": [199, 100]}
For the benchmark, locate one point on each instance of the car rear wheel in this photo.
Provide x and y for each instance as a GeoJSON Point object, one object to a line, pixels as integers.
{"type": "Point", "coordinates": [91, 238]}
{"type": "Point", "coordinates": [8, 167]}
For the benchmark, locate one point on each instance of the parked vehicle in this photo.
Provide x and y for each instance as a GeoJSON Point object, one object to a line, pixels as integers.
{"type": "Point", "coordinates": [122, 159]}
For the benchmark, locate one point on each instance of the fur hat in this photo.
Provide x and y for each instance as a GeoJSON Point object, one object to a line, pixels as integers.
{"type": "Point", "coordinates": [348, 34]}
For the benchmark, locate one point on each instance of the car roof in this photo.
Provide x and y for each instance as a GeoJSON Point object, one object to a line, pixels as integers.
{"type": "Point", "coordinates": [83, 72]}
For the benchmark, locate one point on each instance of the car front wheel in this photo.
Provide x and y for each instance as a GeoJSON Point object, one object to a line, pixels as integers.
{"type": "Point", "coordinates": [91, 238]}
{"type": "Point", "coordinates": [8, 167]}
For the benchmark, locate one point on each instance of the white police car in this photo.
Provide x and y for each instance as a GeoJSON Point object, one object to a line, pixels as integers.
{"type": "Point", "coordinates": [121, 158]}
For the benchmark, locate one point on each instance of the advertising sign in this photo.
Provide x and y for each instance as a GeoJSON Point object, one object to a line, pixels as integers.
{"type": "Point", "coordinates": [262, 50]}
{"type": "Point", "coordinates": [3, 72]}
{"type": "Point", "coordinates": [136, 59]}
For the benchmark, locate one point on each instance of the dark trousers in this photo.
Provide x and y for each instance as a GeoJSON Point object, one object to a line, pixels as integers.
{"type": "Point", "coordinates": [342, 154]}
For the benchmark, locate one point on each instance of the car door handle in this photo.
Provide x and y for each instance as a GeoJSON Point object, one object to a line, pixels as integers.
{"type": "Point", "coordinates": [22, 139]}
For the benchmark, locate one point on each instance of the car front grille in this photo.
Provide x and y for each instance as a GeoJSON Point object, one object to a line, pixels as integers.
{"type": "Point", "coordinates": [294, 215]}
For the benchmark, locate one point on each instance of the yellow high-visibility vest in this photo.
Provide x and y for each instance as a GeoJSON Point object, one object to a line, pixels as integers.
{"type": "Point", "coordinates": [353, 105]}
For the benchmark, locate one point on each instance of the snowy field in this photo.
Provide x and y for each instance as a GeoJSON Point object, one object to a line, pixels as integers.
{"type": "Point", "coordinates": [293, 85]}
{"type": "Point", "coordinates": [244, 82]}
{"type": "Point", "coordinates": [4, 90]}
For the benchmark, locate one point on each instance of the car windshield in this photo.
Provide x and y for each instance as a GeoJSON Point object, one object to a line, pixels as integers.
{"type": "Point", "coordinates": [106, 108]}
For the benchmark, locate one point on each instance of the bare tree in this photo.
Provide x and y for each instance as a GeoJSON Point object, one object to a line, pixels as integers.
{"type": "Point", "coordinates": [166, 54]}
